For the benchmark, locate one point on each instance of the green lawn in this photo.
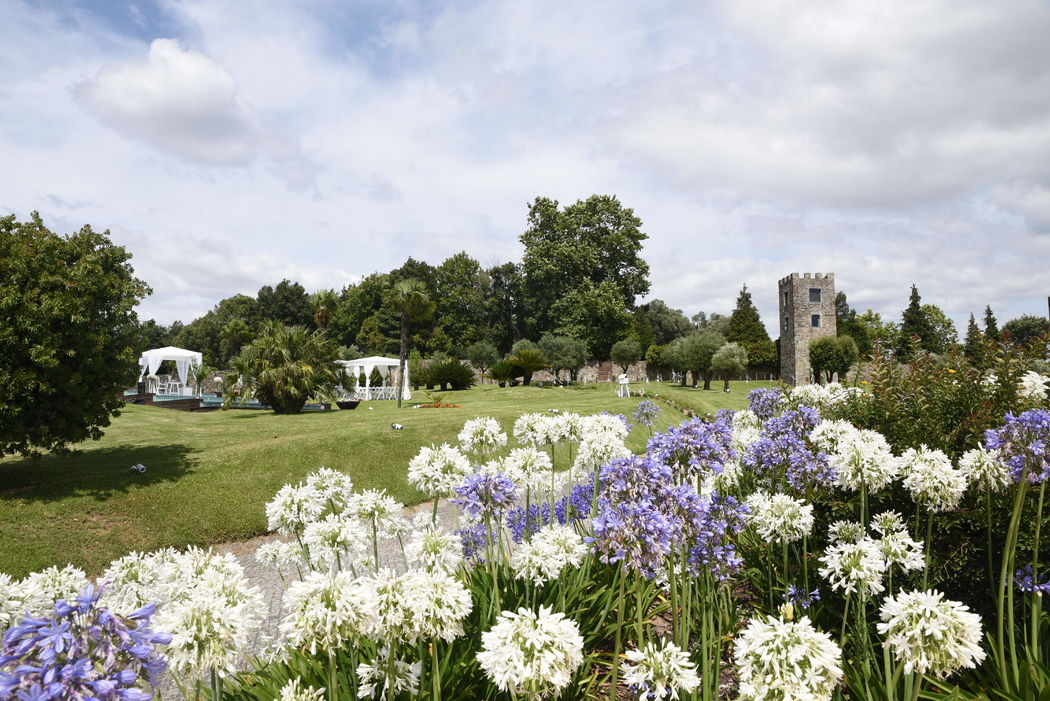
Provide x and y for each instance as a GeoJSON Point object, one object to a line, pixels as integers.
{"type": "Point", "coordinates": [709, 401]}
{"type": "Point", "coordinates": [209, 474]}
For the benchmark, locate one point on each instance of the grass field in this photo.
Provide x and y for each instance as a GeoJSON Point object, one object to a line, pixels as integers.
{"type": "Point", "coordinates": [209, 474]}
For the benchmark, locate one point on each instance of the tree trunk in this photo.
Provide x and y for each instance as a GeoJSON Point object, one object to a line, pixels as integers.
{"type": "Point", "coordinates": [707, 380]}
{"type": "Point", "coordinates": [726, 379]}
{"type": "Point", "coordinates": [404, 356]}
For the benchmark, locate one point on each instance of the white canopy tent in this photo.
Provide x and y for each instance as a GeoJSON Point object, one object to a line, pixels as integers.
{"type": "Point", "coordinates": [149, 361]}
{"type": "Point", "coordinates": [387, 367]}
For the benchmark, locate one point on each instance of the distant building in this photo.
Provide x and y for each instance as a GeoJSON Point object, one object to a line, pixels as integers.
{"type": "Point", "coordinates": [807, 311]}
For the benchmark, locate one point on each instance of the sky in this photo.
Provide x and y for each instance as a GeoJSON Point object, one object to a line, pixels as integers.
{"type": "Point", "coordinates": [231, 145]}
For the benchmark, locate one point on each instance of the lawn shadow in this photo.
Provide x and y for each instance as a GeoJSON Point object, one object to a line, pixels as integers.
{"type": "Point", "coordinates": [98, 472]}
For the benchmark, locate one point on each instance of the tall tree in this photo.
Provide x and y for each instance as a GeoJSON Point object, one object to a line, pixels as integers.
{"type": "Point", "coordinates": [991, 326]}
{"type": "Point", "coordinates": [942, 328]}
{"type": "Point", "coordinates": [666, 323]}
{"type": "Point", "coordinates": [68, 333]}
{"type": "Point", "coordinates": [410, 296]}
{"type": "Point", "coordinates": [884, 334]}
{"type": "Point", "coordinates": [745, 325]}
{"type": "Point", "coordinates": [564, 353]}
{"type": "Point", "coordinates": [596, 241]}
{"type": "Point", "coordinates": [847, 324]}
{"type": "Point", "coordinates": [973, 346]}
{"type": "Point", "coordinates": [324, 304]}
{"type": "Point", "coordinates": [204, 333]}
{"type": "Point", "coordinates": [235, 334]}
{"type": "Point", "coordinates": [914, 323]}
{"type": "Point", "coordinates": [694, 353]}
{"type": "Point", "coordinates": [1026, 330]}
{"type": "Point", "coordinates": [719, 323]}
{"type": "Point", "coordinates": [595, 314]}
{"type": "Point", "coordinates": [505, 305]}
{"type": "Point", "coordinates": [286, 303]}
{"type": "Point", "coordinates": [482, 355]}
{"type": "Point", "coordinates": [458, 295]}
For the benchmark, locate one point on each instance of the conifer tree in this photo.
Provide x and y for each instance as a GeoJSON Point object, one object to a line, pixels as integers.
{"type": "Point", "coordinates": [973, 346]}
{"type": "Point", "coordinates": [991, 326]}
{"type": "Point", "coordinates": [745, 326]}
{"type": "Point", "coordinates": [914, 322]}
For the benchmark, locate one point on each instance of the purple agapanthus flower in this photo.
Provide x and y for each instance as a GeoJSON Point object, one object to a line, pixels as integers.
{"type": "Point", "coordinates": [475, 540]}
{"type": "Point", "coordinates": [646, 412]}
{"type": "Point", "coordinates": [82, 651]}
{"type": "Point", "coordinates": [800, 597]}
{"type": "Point", "coordinates": [634, 532]}
{"type": "Point", "coordinates": [765, 403]}
{"type": "Point", "coordinates": [783, 452]}
{"type": "Point", "coordinates": [696, 447]}
{"type": "Point", "coordinates": [711, 527]}
{"type": "Point", "coordinates": [576, 505]}
{"type": "Point", "coordinates": [486, 495]}
{"type": "Point", "coordinates": [1025, 581]}
{"type": "Point", "coordinates": [1023, 444]}
{"type": "Point", "coordinates": [523, 527]}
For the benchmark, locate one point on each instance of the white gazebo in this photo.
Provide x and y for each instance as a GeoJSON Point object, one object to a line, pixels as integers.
{"type": "Point", "coordinates": [149, 363]}
{"type": "Point", "coordinates": [387, 367]}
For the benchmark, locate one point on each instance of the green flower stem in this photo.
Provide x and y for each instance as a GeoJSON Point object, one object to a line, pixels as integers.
{"type": "Point", "coordinates": [1005, 600]}
{"type": "Point", "coordinates": [617, 639]}
{"type": "Point", "coordinates": [929, 549]}
{"type": "Point", "coordinates": [1037, 600]}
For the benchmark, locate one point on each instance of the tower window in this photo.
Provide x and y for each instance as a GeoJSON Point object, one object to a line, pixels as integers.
{"type": "Point", "coordinates": [814, 295]}
{"type": "Point", "coordinates": [814, 320]}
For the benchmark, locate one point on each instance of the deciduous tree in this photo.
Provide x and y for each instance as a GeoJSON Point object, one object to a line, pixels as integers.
{"type": "Point", "coordinates": [68, 334]}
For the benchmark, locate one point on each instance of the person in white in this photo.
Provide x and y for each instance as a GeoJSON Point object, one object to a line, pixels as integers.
{"type": "Point", "coordinates": [624, 389]}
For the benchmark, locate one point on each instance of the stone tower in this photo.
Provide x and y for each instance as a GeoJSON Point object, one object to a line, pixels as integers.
{"type": "Point", "coordinates": [807, 311]}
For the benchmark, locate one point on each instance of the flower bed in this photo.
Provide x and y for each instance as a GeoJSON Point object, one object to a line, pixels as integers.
{"type": "Point", "coordinates": [777, 552]}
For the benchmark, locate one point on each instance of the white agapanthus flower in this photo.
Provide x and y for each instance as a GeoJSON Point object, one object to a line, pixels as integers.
{"type": "Point", "coordinates": [570, 427]}
{"type": "Point", "coordinates": [854, 567]}
{"type": "Point", "coordinates": [11, 604]}
{"type": "Point", "coordinates": [333, 486]}
{"type": "Point", "coordinates": [747, 428]}
{"type": "Point", "coordinates": [434, 549]}
{"type": "Point", "coordinates": [845, 532]}
{"type": "Point", "coordinates": [324, 611]}
{"type": "Point", "coordinates": [888, 522]}
{"type": "Point", "coordinates": [532, 429]}
{"type": "Point", "coordinates": [602, 440]}
{"type": "Point", "coordinates": [391, 676]}
{"type": "Point", "coordinates": [376, 507]}
{"type": "Point", "coordinates": [778, 660]}
{"type": "Point", "coordinates": [931, 479]}
{"type": "Point", "coordinates": [549, 552]}
{"type": "Point", "coordinates": [482, 435]}
{"type": "Point", "coordinates": [212, 625]}
{"type": "Point", "coordinates": [135, 580]}
{"type": "Point", "coordinates": [436, 470]}
{"type": "Point", "coordinates": [529, 468]}
{"type": "Point", "coordinates": [40, 590]}
{"type": "Point", "coordinates": [337, 540]}
{"type": "Point", "coordinates": [1033, 387]}
{"type": "Point", "coordinates": [863, 458]}
{"type": "Point", "coordinates": [389, 617]}
{"type": "Point", "coordinates": [829, 435]}
{"type": "Point", "coordinates": [293, 507]}
{"type": "Point", "coordinates": [780, 518]}
{"type": "Point", "coordinates": [823, 397]}
{"type": "Point", "coordinates": [531, 654]}
{"type": "Point", "coordinates": [985, 470]}
{"type": "Point", "coordinates": [930, 634]}
{"type": "Point", "coordinates": [900, 550]}
{"type": "Point", "coordinates": [659, 671]}
{"type": "Point", "coordinates": [280, 554]}
{"type": "Point", "coordinates": [436, 603]}
{"type": "Point", "coordinates": [297, 690]}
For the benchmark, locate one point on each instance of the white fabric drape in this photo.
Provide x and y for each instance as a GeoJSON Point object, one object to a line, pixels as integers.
{"type": "Point", "coordinates": [387, 368]}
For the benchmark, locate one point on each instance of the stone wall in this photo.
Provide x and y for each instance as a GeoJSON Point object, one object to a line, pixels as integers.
{"type": "Point", "coordinates": [807, 312]}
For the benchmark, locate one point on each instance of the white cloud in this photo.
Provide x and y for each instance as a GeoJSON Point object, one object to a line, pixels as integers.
{"type": "Point", "coordinates": [891, 143]}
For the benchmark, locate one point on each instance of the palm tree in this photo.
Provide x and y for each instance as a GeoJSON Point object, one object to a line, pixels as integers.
{"type": "Point", "coordinates": [324, 304]}
{"type": "Point", "coordinates": [282, 368]}
{"type": "Point", "coordinates": [410, 298]}
{"type": "Point", "coordinates": [234, 335]}
{"type": "Point", "coordinates": [529, 360]}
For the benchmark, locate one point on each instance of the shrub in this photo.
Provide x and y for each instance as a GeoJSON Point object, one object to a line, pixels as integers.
{"type": "Point", "coordinates": [528, 361]}
{"type": "Point", "coordinates": [452, 373]}
{"type": "Point", "coordinates": [503, 371]}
